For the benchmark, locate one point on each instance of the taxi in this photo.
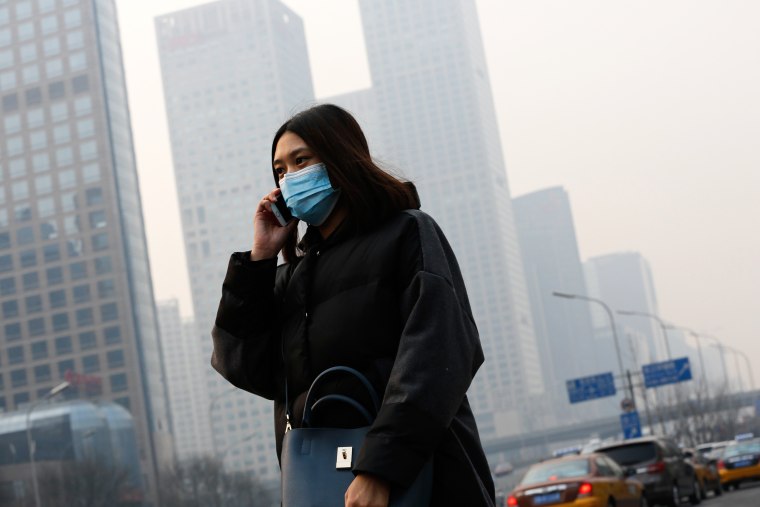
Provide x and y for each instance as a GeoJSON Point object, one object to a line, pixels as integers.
{"type": "Point", "coordinates": [739, 462]}
{"type": "Point", "coordinates": [705, 469]}
{"type": "Point", "coordinates": [591, 480]}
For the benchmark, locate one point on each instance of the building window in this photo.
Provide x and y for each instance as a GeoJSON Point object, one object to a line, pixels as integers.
{"type": "Point", "coordinates": [67, 179]}
{"type": "Point", "coordinates": [51, 46]}
{"type": "Point", "coordinates": [49, 230]}
{"type": "Point", "coordinates": [42, 373]}
{"type": "Point", "coordinates": [109, 312]}
{"type": "Point", "coordinates": [20, 190]}
{"type": "Point", "coordinates": [43, 184]}
{"type": "Point", "coordinates": [75, 39]}
{"type": "Point", "coordinates": [38, 139]}
{"type": "Point", "coordinates": [80, 84]}
{"type": "Point", "coordinates": [49, 24]}
{"type": "Point", "coordinates": [115, 358]}
{"type": "Point", "coordinates": [91, 363]}
{"type": "Point", "coordinates": [78, 270]}
{"type": "Point", "coordinates": [10, 101]}
{"type": "Point", "coordinates": [31, 281]}
{"type": "Point", "coordinates": [18, 378]}
{"type": "Point", "coordinates": [118, 382]}
{"type": "Point", "coordinates": [103, 265]}
{"type": "Point", "coordinates": [94, 196]}
{"type": "Point", "coordinates": [84, 317]}
{"type": "Point", "coordinates": [65, 366]}
{"type": "Point", "coordinates": [46, 207]}
{"type": "Point", "coordinates": [17, 167]}
{"type": "Point", "coordinates": [22, 212]}
{"type": "Point", "coordinates": [81, 293]}
{"type": "Point", "coordinates": [12, 123]}
{"type": "Point", "coordinates": [85, 128]}
{"type": "Point", "coordinates": [97, 219]}
{"type": "Point", "coordinates": [60, 322]}
{"type": "Point", "coordinates": [14, 146]}
{"type": "Point", "coordinates": [72, 18]}
{"type": "Point", "coordinates": [56, 91]}
{"type": "Point", "coordinates": [54, 275]}
{"type": "Point", "coordinates": [77, 61]}
{"type": "Point", "coordinates": [25, 235]}
{"type": "Point", "coordinates": [88, 150]}
{"type": "Point", "coordinates": [36, 326]}
{"type": "Point", "coordinates": [20, 398]}
{"type": "Point", "coordinates": [87, 340]}
{"type": "Point", "coordinates": [61, 134]}
{"type": "Point", "coordinates": [57, 298]}
{"type": "Point", "coordinates": [99, 241]}
{"type": "Point", "coordinates": [30, 74]}
{"type": "Point", "coordinates": [12, 332]}
{"type": "Point", "coordinates": [33, 304]}
{"type": "Point", "coordinates": [6, 263]}
{"type": "Point", "coordinates": [7, 286]}
{"type": "Point", "coordinates": [64, 156]}
{"type": "Point", "coordinates": [51, 253]}
{"type": "Point", "coordinates": [39, 350]}
{"type": "Point", "coordinates": [59, 111]}
{"type": "Point", "coordinates": [83, 106]}
{"type": "Point", "coordinates": [16, 354]}
{"type": "Point", "coordinates": [112, 335]}
{"type": "Point", "coordinates": [106, 289]}
{"type": "Point", "coordinates": [40, 162]}
{"type": "Point", "coordinates": [63, 345]}
{"type": "Point", "coordinates": [10, 309]}
{"type": "Point", "coordinates": [91, 172]}
{"type": "Point", "coordinates": [28, 258]}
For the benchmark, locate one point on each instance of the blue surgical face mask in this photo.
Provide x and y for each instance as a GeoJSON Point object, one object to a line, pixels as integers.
{"type": "Point", "coordinates": [309, 195]}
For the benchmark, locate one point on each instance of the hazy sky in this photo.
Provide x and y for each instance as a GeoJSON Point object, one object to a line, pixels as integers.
{"type": "Point", "coordinates": [647, 112]}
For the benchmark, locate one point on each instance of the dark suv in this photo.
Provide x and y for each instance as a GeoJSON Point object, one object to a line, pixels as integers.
{"type": "Point", "coordinates": [660, 466]}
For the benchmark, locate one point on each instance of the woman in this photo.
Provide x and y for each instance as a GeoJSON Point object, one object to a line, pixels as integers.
{"type": "Point", "coordinates": [373, 285]}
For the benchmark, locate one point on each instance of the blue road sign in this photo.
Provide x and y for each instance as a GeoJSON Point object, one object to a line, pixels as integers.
{"type": "Point", "coordinates": [591, 388]}
{"type": "Point", "coordinates": [757, 407]}
{"type": "Point", "coordinates": [631, 425]}
{"type": "Point", "coordinates": [666, 372]}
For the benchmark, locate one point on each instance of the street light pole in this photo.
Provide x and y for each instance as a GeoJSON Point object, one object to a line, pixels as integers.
{"type": "Point", "coordinates": [749, 368]}
{"type": "Point", "coordinates": [663, 326]}
{"type": "Point", "coordinates": [54, 391]}
{"type": "Point", "coordinates": [699, 351]}
{"type": "Point", "coordinates": [614, 333]}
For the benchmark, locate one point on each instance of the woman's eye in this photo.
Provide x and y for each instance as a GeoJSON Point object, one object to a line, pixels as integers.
{"type": "Point", "coordinates": [300, 160]}
{"type": "Point", "coordinates": [279, 171]}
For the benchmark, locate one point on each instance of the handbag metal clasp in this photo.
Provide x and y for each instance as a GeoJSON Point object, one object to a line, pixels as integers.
{"type": "Point", "coordinates": [343, 459]}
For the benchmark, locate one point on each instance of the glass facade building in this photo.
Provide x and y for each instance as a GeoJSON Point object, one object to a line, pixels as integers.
{"type": "Point", "coordinates": [62, 433]}
{"type": "Point", "coordinates": [233, 71]}
{"type": "Point", "coordinates": [429, 115]}
{"type": "Point", "coordinates": [76, 300]}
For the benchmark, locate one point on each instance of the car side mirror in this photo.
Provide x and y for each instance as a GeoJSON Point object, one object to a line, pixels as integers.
{"type": "Point", "coordinates": [629, 472]}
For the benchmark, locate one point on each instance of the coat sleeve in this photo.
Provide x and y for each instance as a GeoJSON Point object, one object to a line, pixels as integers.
{"type": "Point", "coordinates": [246, 334]}
{"type": "Point", "coordinates": [438, 355]}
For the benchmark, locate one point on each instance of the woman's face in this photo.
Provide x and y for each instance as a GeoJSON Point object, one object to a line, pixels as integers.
{"type": "Point", "coordinates": [292, 154]}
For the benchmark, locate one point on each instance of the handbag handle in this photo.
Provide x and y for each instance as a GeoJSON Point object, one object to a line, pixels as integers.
{"type": "Point", "coordinates": [309, 406]}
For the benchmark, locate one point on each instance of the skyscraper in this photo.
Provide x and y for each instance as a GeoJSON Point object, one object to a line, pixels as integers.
{"type": "Point", "coordinates": [233, 71]}
{"type": "Point", "coordinates": [433, 120]}
{"type": "Point", "coordinates": [75, 286]}
{"type": "Point", "coordinates": [552, 263]}
{"type": "Point", "coordinates": [624, 281]}
{"type": "Point", "coordinates": [186, 386]}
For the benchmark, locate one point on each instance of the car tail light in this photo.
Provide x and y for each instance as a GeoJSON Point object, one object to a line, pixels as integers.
{"type": "Point", "coordinates": [585, 489]}
{"type": "Point", "coordinates": [512, 501]}
{"type": "Point", "coordinates": [656, 468]}
{"type": "Point", "coordinates": [721, 465]}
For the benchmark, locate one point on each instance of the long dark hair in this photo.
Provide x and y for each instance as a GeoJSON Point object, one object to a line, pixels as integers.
{"type": "Point", "coordinates": [370, 194]}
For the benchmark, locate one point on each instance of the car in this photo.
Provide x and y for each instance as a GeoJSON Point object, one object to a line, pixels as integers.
{"type": "Point", "coordinates": [706, 470]}
{"type": "Point", "coordinates": [591, 480]}
{"type": "Point", "coordinates": [740, 462]}
{"type": "Point", "coordinates": [712, 450]}
{"type": "Point", "coordinates": [659, 465]}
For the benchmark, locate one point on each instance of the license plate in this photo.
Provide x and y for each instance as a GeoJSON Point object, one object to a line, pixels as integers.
{"type": "Point", "coordinates": [547, 498]}
{"type": "Point", "coordinates": [743, 463]}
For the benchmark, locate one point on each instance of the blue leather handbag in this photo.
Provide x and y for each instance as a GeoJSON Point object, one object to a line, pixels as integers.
{"type": "Point", "coordinates": [317, 462]}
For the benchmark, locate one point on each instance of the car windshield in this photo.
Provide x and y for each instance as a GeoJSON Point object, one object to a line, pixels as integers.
{"type": "Point", "coordinates": [631, 454]}
{"type": "Point", "coordinates": [557, 470]}
{"type": "Point", "coordinates": [742, 448]}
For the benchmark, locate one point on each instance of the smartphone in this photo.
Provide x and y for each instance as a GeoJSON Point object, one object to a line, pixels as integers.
{"type": "Point", "coordinates": [281, 211]}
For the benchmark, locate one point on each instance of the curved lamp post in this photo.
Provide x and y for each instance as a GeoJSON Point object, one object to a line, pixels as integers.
{"type": "Point", "coordinates": [54, 391]}
{"type": "Point", "coordinates": [663, 326]}
{"type": "Point", "coordinates": [614, 332]}
{"type": "Point", "coordinates": [699, 351]}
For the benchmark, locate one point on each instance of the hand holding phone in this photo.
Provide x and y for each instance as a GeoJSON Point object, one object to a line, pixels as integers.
{"type": "Point", "coordinates": [281, 212]}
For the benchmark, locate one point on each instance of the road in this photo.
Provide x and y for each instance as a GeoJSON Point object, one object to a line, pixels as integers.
{"type": "Point", "coordinates": [747, 496]}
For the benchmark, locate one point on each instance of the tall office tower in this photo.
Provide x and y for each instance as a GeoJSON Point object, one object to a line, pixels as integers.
{"type": "Point", "coordinates": [75, 284]}
{"type": "Point", "coordinates": [188, 396]}
{"type": "Point", "coordinates": [624, 281]}
{"type": "Point", "coordinates": [233, 71]}
{"type": "Point", "coordinates": [435, 123]}
{"type": "Point", "coordinates": [552, 263]}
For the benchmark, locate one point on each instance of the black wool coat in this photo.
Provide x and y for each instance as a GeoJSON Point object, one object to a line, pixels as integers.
{"type": "Point", "coordinates": [390, 303]}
